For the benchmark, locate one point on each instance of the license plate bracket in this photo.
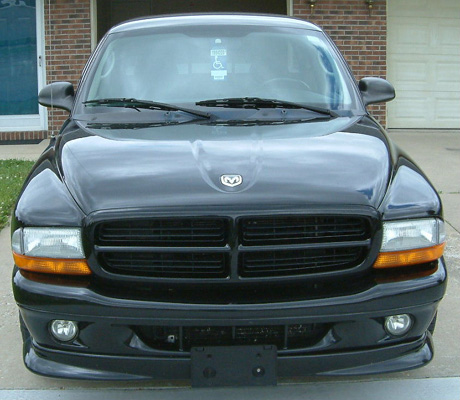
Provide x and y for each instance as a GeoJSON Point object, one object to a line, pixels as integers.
{"type": "Point", "coordinates": [234, 366]}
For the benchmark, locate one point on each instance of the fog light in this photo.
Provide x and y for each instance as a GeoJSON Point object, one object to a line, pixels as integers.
{"type": "Point", "coordinates": [63, 330]}
{"type": "Point", "coordinates": [398, 325]}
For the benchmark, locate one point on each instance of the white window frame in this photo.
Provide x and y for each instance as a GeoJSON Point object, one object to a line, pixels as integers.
{"type": "Point", "coordinates": [32, 122]}
{"type": "Point", "coordinates": [93, 8]}
{"type": "Point", "coordinates": [290, 7]}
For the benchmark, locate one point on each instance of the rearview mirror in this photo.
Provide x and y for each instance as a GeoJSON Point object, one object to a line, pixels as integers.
{"type": "Point", "coordinates": [57, 94]}
{"type": "Point", "coordinates": [376, 90]}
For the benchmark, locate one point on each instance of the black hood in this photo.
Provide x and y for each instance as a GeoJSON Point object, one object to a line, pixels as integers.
{"type": "Point", "coordinates": [301, 164]}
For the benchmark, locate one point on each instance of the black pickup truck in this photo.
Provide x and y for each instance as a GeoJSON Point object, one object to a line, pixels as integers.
{"type": "Point", "coordinates": [220, 206]}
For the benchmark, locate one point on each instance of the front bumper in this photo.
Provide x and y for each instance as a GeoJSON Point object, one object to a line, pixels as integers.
{"type": "Point", "coordinates": [110, 348]}
{"type": "Point", "coordinates": [64, 364]}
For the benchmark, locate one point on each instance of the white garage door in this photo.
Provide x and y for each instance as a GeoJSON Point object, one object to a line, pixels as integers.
{"type": "Point", "coordinates": [424, 63]}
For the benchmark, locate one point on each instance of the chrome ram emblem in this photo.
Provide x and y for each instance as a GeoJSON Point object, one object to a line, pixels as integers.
{"type": "Point", "coordinates": [231, 180]}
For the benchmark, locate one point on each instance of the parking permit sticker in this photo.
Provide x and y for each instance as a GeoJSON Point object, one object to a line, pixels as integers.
{"type": "Point", "coordinates": [218, 61]}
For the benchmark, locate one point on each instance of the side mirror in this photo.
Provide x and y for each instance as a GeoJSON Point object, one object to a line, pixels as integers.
{"type": "Point", "coordinates": [57, 94]}
{"type": "Point", "coordinates": [376, 90]}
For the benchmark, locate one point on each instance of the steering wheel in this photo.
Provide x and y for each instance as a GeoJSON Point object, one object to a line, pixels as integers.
{"type": "Point", "coordinates": [289, 81]}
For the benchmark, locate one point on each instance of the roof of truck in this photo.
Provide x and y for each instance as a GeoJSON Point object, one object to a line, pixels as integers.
{"type": "Point", "coordinates": [213, 19]}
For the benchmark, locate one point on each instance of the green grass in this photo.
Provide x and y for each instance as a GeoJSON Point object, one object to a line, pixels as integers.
{"type": "Point", "coordinates": [12, 175]}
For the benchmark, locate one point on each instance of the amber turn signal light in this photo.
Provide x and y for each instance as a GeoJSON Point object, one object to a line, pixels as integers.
{"type": "Point", "coordinates": [52, 265]}
{"type": "Point", "coordinates": [409, 257]}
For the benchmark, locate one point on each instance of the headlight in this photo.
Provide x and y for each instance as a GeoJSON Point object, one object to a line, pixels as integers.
{"type": "Point", "coordinates": [48, 242]}
{"type": "Point", "coordinates": [412, 234]}
{"type": "Point", "coordinates": [411, 242]}
{"type": "Point", "coordinates": [50, 250]}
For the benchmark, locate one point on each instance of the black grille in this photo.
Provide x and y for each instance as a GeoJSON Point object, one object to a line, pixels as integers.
{"type": "Point", "coordinates": [228, 248]}
{"type": "Point", "coordinates": [166, 265]}
{"type": "Point", "coordinates": [301, 229]}
{"type": "Point", "coordinates": [299, 262]}
{"type": "Point", "coordinates": [184, 338]}
{"type": "Point", "coordinates": [173, 232]}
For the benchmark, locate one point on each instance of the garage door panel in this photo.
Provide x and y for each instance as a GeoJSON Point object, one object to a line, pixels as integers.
{"type": "Point", "coordinates": [427, 74]}
{"type": "Point", "coordinates": [445, 9]}
{"type": "Point", "coordinates": [424, 63]}
{"type": "Point", "coordinates": [447, 37]}
{"type": "Point", "coordinates": [448, 80]}
{"type": "Point", "coordinates": [422, 8]}
{"type": "Point", "coordinates": [409, 75]}
{"type": "Point", "coordinates": [412, 37]}
{"type": "Point", "coordinates": [446, 108]}
{"type": "Point", "coordinates": [425, 36]}
{"type": "Point", "coordinates": [411, 8]}
{"type": "Point", "coordinates": [412, 103]}
{"type": "Point", "coordinates": [419, 110]}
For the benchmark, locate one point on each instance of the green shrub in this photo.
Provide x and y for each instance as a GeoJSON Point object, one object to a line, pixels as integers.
{"type": "Point", "coordinates": [12, 175]}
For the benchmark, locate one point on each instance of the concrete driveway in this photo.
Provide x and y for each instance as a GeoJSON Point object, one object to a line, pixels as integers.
{"type": "Point", "coordinates": [437, 153]}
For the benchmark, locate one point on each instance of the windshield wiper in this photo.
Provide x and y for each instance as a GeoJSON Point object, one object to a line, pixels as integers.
{"type": "Point", "coordinates": [260, 122]}
{"type": "Point", "coordinates": [145, 104]}
{"type": "Point", "coordinates": [136, 125]}
{"type": "Point", "coordinates": [257, 102]}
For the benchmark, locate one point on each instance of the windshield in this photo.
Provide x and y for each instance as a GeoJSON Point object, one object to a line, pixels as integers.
{"type": "Point", "coordinates": [187, 65]}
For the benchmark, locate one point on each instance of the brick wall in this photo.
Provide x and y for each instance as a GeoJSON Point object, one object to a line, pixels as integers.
{"type": "Point", "coordinates": [67, 47]}
{"type": "Point", "coordinates": [22, 136]}
{"type": "Point", "coordinates": [360, 35]}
